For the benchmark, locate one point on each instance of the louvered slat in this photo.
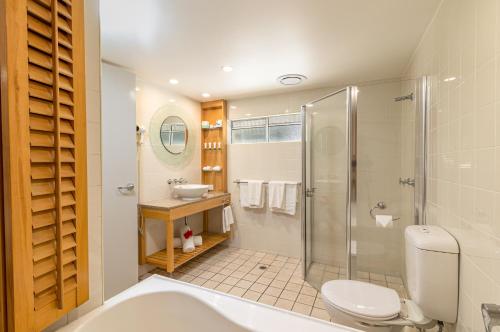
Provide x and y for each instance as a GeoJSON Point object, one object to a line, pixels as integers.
{"type": "Point", "coordinates": [39, 58]}
{"type": "Point", "coordinates": [43, 13]}
{"type": "Point", "coordinates": [39, 74]}
{"type": "Point", "coordinates": [43, 219]}
{"type": "Point", "coordinates": [39, 27]}
{"type": "Point", "coordinates": [40, 91]}
{"type": "Point", "coordinates": [43, 203]}
{"type": "Point", "coordinates": [42, 235]}
{"type": "Point", "coordinates": [44, 187]}
{"type": "Point", "coordinates": [39, 172]}
{"type": "Point", "coordinates": [41, 123]}
{"type": "Point", "coordinates": [40, 43]}
{"type": "Point", "coordinates": [43, 267]}
{"type": "Point", "coordinates": [41, 139]}
{"type": "Point", "coordinates": [41, 107]}
{"type": "Point", "coordinates": [40, 155]}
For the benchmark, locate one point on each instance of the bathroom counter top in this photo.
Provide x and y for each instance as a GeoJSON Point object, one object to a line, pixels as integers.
{"type": "Point", "coordinates": [173, 203]}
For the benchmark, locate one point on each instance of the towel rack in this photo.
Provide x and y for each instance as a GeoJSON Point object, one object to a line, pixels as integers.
{"type": "Point", "coordinates": [265, 182]}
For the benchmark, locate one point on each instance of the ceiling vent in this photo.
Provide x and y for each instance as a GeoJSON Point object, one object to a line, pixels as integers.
{"type": "Point", "coordinates": [291, 79]}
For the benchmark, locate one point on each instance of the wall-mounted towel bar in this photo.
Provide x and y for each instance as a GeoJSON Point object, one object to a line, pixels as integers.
{"type": "Point", "coordinates": [265, 182]}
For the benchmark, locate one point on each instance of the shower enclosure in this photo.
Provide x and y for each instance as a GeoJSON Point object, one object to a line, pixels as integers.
{"type": "Point", "coordinates": [363, 156]}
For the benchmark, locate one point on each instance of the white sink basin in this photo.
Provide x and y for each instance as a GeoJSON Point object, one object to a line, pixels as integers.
{"type": "Point", "coordinates": [190, 191]}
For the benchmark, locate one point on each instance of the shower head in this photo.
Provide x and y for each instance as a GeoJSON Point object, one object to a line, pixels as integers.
{"type": "Point", "coordinates": [407, 97]}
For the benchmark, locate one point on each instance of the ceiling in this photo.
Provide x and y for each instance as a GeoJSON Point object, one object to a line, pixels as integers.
{"type": "Point", "coordinates": [332, 42]}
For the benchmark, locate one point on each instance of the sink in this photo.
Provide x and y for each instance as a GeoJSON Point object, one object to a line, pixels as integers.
{"type": "Point", "coordinates": [190, 192]}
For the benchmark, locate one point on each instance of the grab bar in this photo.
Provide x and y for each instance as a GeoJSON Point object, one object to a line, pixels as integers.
{"type": "Point", "coordinates": [265, 182]}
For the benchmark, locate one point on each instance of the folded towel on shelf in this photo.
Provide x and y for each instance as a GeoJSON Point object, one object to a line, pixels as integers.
{"type": "Point", "coordinates": [276, 194]}
{"type": "Point", "coordinates": [198, 241]}
{"type": "Point", "coordinates": [251, 194]}
{"type": "Point", "coordinates": [227, 219]}
{"type": "Point", "coordinates": [289, 205]}
{"type": "Point", "coordinates": [187, 239]}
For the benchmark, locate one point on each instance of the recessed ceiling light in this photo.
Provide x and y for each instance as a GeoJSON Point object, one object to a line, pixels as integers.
{"type": "Point", "coordinates": [291, 79]}
{"type": "Point", "coordinates": [205, 94]}
{"type": "Point", "coordinates": [450, 79]}
{"type": "Point", "coordinates": [248, 114]}
{"type": "Point", "coordinates": [233, 107]}
{"type": "Point", "coordinates": [286, 111]}
{"type": "Point", "coordinates": [172, 100]}
{"type": "Point", "coordinates": [137, 88]}
{"type": "Point", "coordinates": [173, 81]}
{"type": "Point", "coordinates": [227, 69]}
{"type": "Point", "coordinates": [309, 105]}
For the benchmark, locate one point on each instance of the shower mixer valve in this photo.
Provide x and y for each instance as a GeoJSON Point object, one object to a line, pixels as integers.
{"type": "Point", "coordinates": [407, 181]}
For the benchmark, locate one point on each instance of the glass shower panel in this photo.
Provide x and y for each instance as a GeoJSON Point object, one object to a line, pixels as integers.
{"type": "Point", "coordinates": [326, 197]}
{"type": "Point", "coordinates": [386, 152]}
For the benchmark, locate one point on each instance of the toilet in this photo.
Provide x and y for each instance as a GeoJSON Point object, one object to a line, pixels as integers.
{"type": "Point", "coordinates": [432, 258]}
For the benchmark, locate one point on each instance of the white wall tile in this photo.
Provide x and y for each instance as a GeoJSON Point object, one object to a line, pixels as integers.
{"type": "Point", "coordinates": [474, 220]}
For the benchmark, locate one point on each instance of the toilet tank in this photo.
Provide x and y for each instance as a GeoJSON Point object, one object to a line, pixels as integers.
{"type": "Point", "coordinates": [432, 271]}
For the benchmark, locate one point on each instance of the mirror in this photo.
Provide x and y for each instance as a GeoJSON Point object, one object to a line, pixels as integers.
{"type": "Point", "coordinates": [174, 134]}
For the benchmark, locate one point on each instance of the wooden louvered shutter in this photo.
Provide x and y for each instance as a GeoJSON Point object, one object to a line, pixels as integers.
{"type": "Point", "coordinates": [44, 150]}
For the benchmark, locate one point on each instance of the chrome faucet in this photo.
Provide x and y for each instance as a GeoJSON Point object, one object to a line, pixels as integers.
{"type": "Point", "coordinates": [177, 181]}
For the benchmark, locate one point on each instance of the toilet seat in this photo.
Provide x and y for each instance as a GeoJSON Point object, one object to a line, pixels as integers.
{"type": "Point", "coordinates": [363, 300]}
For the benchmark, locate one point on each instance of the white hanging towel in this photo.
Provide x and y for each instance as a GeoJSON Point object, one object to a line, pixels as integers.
{"type": "Point", "coordinates": [276, 194]}
{"type": "Point", "coordinates": [244, 195]}
{"type": "Point", "coordinates": [227, 219]}
{"type": "Point", "coordinates": [251, 195]}
{"type": "Point", "coordinates": [290, 202]}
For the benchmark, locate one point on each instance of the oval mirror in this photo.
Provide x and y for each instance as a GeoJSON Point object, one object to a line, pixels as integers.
{"type": "Point", "coordinates": [174, 134]}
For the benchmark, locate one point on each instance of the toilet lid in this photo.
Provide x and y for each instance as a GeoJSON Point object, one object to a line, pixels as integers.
{"type": "Point", "coordinates": [362, 299]}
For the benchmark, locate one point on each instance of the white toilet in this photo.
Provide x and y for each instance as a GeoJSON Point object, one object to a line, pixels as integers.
{"type": "Point", "coordinates": [432, 276]}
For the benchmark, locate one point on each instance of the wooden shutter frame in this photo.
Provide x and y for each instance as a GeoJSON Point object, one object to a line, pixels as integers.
{"type": "Point", "coordinates": [17, 167]}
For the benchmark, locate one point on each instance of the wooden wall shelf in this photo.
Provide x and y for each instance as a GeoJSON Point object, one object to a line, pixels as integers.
{"type": "Point", "coordinates": [212, 111]}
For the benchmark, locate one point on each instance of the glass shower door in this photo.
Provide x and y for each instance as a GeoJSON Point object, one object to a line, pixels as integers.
{"type": "Point", "coordinates": [328, 177]}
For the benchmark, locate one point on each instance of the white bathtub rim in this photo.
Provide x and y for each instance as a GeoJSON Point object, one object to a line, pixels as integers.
{"type": "Point", "coordinates": [143, 288]}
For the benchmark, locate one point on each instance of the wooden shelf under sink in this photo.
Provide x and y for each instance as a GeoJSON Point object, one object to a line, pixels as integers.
{"type": "Point", "coordinates": [210, 240]}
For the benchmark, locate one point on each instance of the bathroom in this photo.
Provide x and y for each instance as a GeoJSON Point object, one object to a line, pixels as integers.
{"type": "Point", "coordinates": [250, 165]}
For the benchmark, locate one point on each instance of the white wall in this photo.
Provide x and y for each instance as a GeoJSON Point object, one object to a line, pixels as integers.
{"type": "Point", "coordinates": [463, 41]}
{"type": "Point", "coordinates": [153, 172]}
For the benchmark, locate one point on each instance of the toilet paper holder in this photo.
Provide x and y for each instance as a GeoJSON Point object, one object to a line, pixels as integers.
{"type": "Point", "coordinates": [382, 206]}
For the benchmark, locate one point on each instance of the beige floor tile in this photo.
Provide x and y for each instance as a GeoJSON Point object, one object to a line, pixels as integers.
{"type": "Point", "coordinates": [264, 280]}
{"type": "Point", "coordinates": [214, 269]}
{"type": "Point", "coordinates": [293, 287]}
{"type": "Point", "coordinates": [308, 290]}
{"type": "Point", "coordinates": [258, 287]}
{"type": "Point", "coordinates": [394, 280]}
{"type": "Point", "coordinates": [289, 295]}
{"type": "Point", "coordinates": [218, 277]}
{"type": "Point", "coordinates": [223, 288]}
{"type": "Point", "coordinates": [283, 277]}
{"type": "Point", "coordinates": [318, 303]}
{"type": "Point", "coordinates": [302, 308]}
{"type": "Point", "coordinates": [211, 284]}
{"type": "Point", "coordinates": [377, 276]}
{"type": "Point", "coordinates": [269, 274]}
{"type": "Point", "coordinates": [273, 291]}
{"type": "Point", "coordinates": [296, 280]}
{"type": "Point", "coordinates": [244, 284]}
{"type": "Point", "coordinates": [186, 278]}
{"type": "Point", "coordinates": [198, 281]}
{"type": "Point", "coordinates": [250, 277]}
{"type": "Point", "coordinates": [231, 281]}
{"type": "Point", "coordinates": [278, 284]}
{"type": "Point", "coordinates": [238, 274]}
{"type": "Point", "coordinates": [268, 299]}
{"type": "Point", "coordinates": [305, 299]}
{"type": "Point", "coordinates": [237, 291]}
{"type": "Point", "coordinates": [252, 295]}
{"type": "Point", "coordinates": [320, 314]}
{"type": "Point", "coordinates": [284, 304]}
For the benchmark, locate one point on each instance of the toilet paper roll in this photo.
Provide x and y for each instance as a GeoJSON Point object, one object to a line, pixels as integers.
{"type": "Point", "coordinates": [384, 221]}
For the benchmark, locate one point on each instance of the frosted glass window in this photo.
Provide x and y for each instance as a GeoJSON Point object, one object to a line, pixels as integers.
{"type": "Point", "coordinates": [249, 135]}
{"type": "Point", "coordinates": [274, 128]}
{"type": "Point", "coordinates": [287, 133]}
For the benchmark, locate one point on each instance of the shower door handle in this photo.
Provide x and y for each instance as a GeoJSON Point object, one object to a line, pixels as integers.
{"type": "Point", "coordinates": [310, 192]}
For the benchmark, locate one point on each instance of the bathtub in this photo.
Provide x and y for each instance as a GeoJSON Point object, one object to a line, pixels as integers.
{"type": "Point", "coordinates": [163, 304]}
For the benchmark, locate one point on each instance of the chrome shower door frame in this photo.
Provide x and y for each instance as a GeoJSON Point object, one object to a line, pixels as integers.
{"type": "Point", "coordinates": [351, 143]}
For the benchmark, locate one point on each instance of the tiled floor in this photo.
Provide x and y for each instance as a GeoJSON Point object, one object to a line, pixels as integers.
{"type": "Point", "coordinates": [267, 278]}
